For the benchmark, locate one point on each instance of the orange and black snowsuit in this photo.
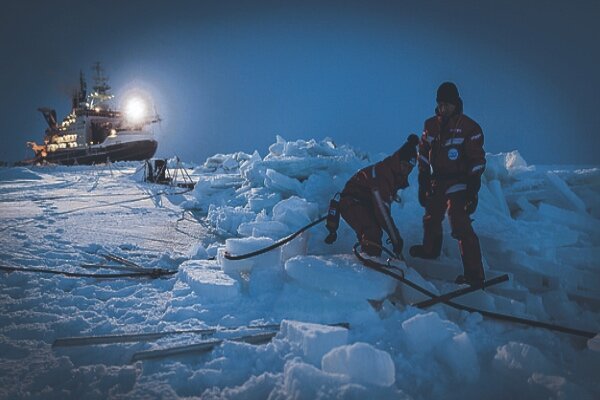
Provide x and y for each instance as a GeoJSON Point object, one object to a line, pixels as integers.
{"type": "Point", "coordinates": [451, 161]}
{"type": "Point", "coordinates": [365, 202]}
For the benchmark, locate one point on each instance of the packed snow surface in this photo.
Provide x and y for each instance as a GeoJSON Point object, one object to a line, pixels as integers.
{"type": "Point", "coordinates": [330, 327]}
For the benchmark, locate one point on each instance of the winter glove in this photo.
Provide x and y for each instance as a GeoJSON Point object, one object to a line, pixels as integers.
{"type": "Point", "coordinates": [473, 186]}
{"type": "Point", "coordinates": [333, 219]}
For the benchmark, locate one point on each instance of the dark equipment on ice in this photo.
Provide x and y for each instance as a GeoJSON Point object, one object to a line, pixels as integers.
{"type": "Point", "coordinates": [254, 334]}
{"type": "Point", "coordinates": [157, 171]}
{"type": "Point", "coordinates": [333, 219]}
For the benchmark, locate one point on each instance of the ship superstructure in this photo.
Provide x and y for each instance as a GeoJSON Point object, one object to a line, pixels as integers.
{"type": "Point", "coordinates": [95, 132]}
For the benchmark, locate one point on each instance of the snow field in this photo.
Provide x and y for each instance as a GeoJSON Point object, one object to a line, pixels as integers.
{"type": "Point", "coordinates": [530, 220]}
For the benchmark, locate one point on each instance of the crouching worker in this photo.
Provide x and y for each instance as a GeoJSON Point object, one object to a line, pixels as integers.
{"type": "Point", "coordinates": [365, 202]}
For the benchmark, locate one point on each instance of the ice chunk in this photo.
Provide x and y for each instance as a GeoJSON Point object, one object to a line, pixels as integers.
{"type": "Point", "coordinates": [361, 362]}
{"type": "Point", "coordinates": [581, 257]}
{"type": "Point", "coordinates": [525, 205]}
{"type": "Point", "coordinates": [270, 229]}
{"type": "Point", "coordinates": [230, 164]}
{"type": "Point", "coordinates": [320, 187]}
{"type": "Point", "coordinates": [208, 281]}
{"type": "Point", "coordinates": [521, 360]}
{"type": "Point", "coordinates": [270, 259]}
{"type": "Point", "coordinates": [282, 183]}
{"type": "Point", "coordinates": [558, 387]}
{"type": "Point", "coordinates": [277, 148]}
{"type": "Point", "coordinates": [304, 381]}
{"type": "Point", "coordinates": [262, 200]}
{"type": "Point", "coordinates": [254, 172]}
{"type": "Point", "coordinates": [515, 163]}
{"type": "Point", "coordinates": [215, 190]}
{"type": "Point", "coordinates": [574, 220]}
{"type": "Point", "coordinates": [425, 331]}
{"type": "Point", "coordinates": [428, 333]}
{"type": "Point", "coordinates": [576, 203]}
{"type": "Point", "coordinates": [265, 281]}
{"type": "Point", "coordinates": [410, 295]}
{"type": "Point", "coordinates": [226, 162]}
{"type": "Point", "coordinates": [198, 252]}
{"type": "Point", "coordinates": [301, 159]}
{"type": "Point", "coordinates": [227, 219]}
{"type": "Point", "coordinates": [340, 274]}
{"type": "Point", "coordinates": [313, 340]}
{"type": "Point", "coordinates": [496, 189]}
{"type": "Point", "coordinates": [302, 148]}
{"type": "Point", "coordinates": [245, 245]}
{"type": "Point", "coordinates": [295, 212]}
{"type": "Point", "coordinates": [594, 343]}
{"type": "Point", "coordinates": [296, 247]}
{"type": "Point", "coordinates": [302, 168]}
{"type": "Point", "coordinates": [255, 157]}
{"type": "Point", "coordinates": [504, 165]}
{"type": "Point", "coordinates": [459, 355]}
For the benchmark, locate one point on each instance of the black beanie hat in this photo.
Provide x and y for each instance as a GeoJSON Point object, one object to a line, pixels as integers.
{"type": "Point", "coordinates": [408, 150]}
{"type": "Point", "coordinates": [448, 93]}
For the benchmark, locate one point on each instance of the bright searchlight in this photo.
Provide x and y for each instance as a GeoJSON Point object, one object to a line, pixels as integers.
{"type": "Point", "coordinates": [135, 110]}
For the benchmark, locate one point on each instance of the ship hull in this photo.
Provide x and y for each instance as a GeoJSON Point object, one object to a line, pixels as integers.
{"type": "Point", "coordinates": [96, 154]}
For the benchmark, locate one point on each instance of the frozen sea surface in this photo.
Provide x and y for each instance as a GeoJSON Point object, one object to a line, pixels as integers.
{"type": "Point", "coordinates": [540, 224]}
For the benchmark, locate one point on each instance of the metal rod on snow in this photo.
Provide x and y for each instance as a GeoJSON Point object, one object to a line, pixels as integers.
{"type": "Point", "coordinates": [493, 315]}
{"type": "Point", "coordinates": [146, 336]}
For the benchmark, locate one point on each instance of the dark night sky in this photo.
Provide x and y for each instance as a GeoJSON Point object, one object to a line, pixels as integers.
{"type": "Point", "coordinates": [229, 76]}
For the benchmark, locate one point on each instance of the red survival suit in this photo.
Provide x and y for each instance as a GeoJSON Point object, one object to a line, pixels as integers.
{"type": "Point", "coordinates": [451, 161]}
{"type": "Point", "coordinates": [365, 202]}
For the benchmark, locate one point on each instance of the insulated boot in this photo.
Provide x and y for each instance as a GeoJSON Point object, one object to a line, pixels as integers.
{"type": "Point", "coordinates": [419, 251]}
{"type": "Point", "coordinates": [370, 248]}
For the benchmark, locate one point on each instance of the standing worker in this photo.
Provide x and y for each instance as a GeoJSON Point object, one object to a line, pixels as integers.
{"type": "Point", "coordinates": [451, 162]}
{"type": "Point", "coordinates": [365, 202]}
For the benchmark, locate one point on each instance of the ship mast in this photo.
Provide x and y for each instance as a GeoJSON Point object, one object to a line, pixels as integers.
{"type": "Point", "coordinates": [100, 95]}
{"type": "Point", "coordinates": [79, 97]}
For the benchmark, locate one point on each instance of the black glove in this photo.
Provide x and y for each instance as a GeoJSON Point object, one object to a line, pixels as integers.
{"type": "Point", "coordinates": [424, 189]}
{"type": "Point", "coordinates": [473, 186]}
